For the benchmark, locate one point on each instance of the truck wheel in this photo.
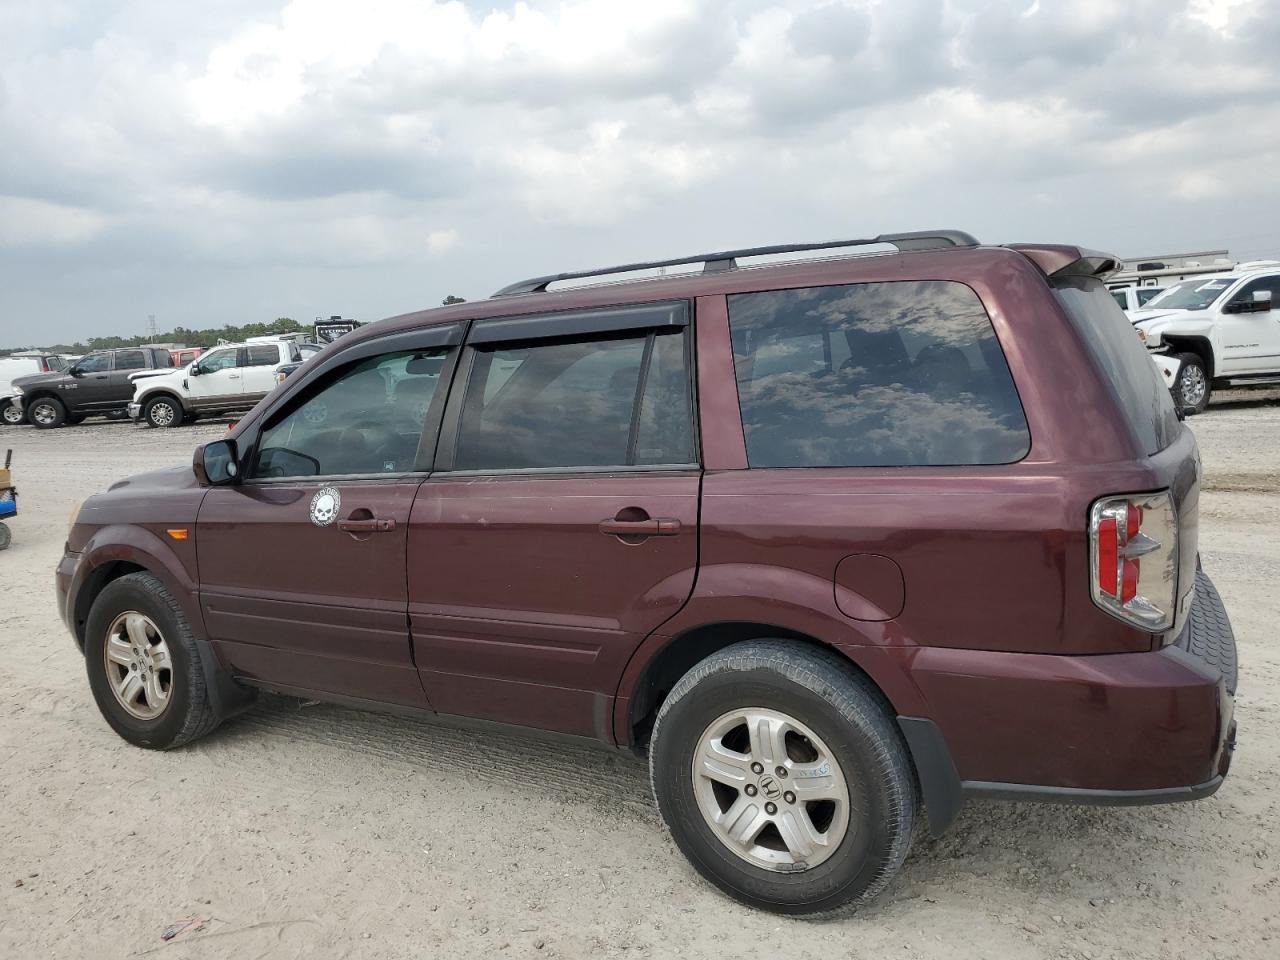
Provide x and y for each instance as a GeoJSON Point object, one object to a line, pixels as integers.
{"type": "Point", "coordinates": [144, 668]}
{"type": "Point", "coordinates": [162, 412]}
{"type": "Point", "coordinates": [783, 779]}
{"type": "Point", "coordinates": [13, 415]}
{"type": "Point", "coordinates": [6, 536]}
{"type": "Point", "coordinates": [1192, 389]}
{"type": "Point", "coordinates": [46, 413]}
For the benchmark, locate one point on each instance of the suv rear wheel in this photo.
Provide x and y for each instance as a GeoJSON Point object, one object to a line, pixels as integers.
{"type": "Point", "coordinates": [144, 668]}
{"type": "Point", "coordinates": [45, 413]}
{"type": "Point", "coordinates": [783, 779]}
{"type": "Point", "coordinates": [162, 411]}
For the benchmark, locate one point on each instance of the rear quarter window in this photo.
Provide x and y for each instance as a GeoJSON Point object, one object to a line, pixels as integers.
{"type": "Point", "coordinates": [907, 373]}
{"type": "Point", "coordinates": [1143, 398]}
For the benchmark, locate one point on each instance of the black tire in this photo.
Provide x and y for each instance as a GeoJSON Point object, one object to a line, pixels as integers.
{"type": "Point", "coordinates": [1193, 380]}
{"type": "Point", "coordinates": [45, 413]}
{"type": "Point", "coordinates": [116, 414]}
{"type": "Point", "coordinates": [189, 714]}
{"type": "Point", "coordinates": [819, 689]}
{"type": "Point", "coordinates": [12, 415]}
{"type": "Point", "coordinates": [73, 419]}
{"type": "Point", "coordinates": [162, 411]}
{"type": "Point", "coordinates": [6, 536]}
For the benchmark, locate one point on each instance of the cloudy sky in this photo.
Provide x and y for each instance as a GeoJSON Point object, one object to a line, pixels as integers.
{"type": "Point", "coordinates": [229, 161]}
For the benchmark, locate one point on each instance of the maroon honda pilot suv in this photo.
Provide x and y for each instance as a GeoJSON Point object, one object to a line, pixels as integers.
{"type": "Point", "coordinates": [839, 543]}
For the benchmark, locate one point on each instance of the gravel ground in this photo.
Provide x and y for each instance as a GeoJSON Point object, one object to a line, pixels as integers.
{"type": "Point", "coordinates": [311, 830]}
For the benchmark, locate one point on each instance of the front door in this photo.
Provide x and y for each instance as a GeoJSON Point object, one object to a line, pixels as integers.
{"type": "Point", "coordinates": [561, 525]}
{"type": "Point", "coordinates": [215, 378]}
{"type": "Point", "coordinates": [302, 565]}
{"type": "Point", "coordinates": [90, 389]}
{"type": "Point", "coordinates": [1251, 340]}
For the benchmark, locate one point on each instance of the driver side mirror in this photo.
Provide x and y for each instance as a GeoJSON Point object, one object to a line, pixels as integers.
{"type": "Point", "coordinates": [76, 372]}
{"type": "Point", "coordinates": [1261, 301]}
{"type": "Point", "coordinates": [216, 463]}
{"type": "Point", "coordinates": [195, 370]}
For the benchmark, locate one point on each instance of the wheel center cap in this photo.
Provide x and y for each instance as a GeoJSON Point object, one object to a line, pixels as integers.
{"type": "Point", "coordinates": [768, 785]}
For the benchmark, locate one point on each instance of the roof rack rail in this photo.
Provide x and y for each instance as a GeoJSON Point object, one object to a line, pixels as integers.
{"type": "Point", "coordinates": [728, 259]}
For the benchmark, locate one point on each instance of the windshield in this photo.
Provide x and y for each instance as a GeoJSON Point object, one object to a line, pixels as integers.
{"type": "Point", "coordinates": [1191, 294]}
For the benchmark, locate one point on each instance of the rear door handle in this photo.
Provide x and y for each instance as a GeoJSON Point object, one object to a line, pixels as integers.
{"type": "Point", "coordinates": [653, 527]}
{"type": "Point", "coordinates": [367, 526]}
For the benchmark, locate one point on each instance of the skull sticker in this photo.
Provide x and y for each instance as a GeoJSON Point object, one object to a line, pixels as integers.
{"type": "Point", "coordinates": [324, 506]}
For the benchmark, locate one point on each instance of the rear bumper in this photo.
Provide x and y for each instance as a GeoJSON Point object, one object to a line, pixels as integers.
{"type": "Point", "coordinates": [1120, 729]}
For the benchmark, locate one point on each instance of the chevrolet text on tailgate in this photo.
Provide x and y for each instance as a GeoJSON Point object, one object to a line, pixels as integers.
{"type": "Point", "coordinates": [837, 543]}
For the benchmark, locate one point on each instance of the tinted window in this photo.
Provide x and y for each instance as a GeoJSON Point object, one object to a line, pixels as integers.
{"type": "Point", "coordinates": [873, 374]}
{"type": "Point", "coordinates": [1146, 293]}
{"type": "Point", "coordinates": [1262, 284]}
{"type": "Point", "coordinates": [131, 360]}
{"type": "Point", "coordinates": [218, 360]}
{"type": "Point", "coordinates": [94, 363]}
{"type": "Point", "coordinates": [574, 404]}
{"type": "Point", "coordinates": [264, 356]}
{"type": "Point", "coordinates": [1124, 362]}
{"type": "Point", "coordinates": [1119, 297]}
{"type": "Point", "coordinates": [367, 420]}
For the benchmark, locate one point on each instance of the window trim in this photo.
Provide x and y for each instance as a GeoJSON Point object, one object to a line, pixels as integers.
{"type": "Point", "coordinates": [447, 443]}
{"type": "Point", "coordinates": [320, 378]}
{"type": "Point", "coordinates": [579, 323]}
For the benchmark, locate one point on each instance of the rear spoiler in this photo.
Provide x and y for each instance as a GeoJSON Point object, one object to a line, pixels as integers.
{"type": "Point", "coordinates": [1061, 261]}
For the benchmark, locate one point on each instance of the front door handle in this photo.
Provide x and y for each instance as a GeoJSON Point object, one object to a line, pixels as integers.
{"type": "Point", "coordinates": [372, 525]}
{"type": "Point", "coordinates": [653, 527]}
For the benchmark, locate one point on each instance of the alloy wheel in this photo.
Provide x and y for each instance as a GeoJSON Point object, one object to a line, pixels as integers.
{"type": "Point", "coordinates": [770, 790]}
{"type": "Point", "coordinates": [161, 413]}
{"type": "Point", "coordinates": [139, 665]}
{"type": "Point", "coordinates": [1192, 383]}
{"type": "Point", "coordinates": [44, 413]}
{"type": "Point", "coordinates": [12, 414]}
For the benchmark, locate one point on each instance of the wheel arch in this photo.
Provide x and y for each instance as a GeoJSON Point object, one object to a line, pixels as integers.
{"type": "Point", "coordinates": [1198, 345]}
{"type": "Point", "coordinates": [638, 704]}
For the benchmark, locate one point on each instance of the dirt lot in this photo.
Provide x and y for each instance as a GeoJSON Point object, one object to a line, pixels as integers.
{"type": "Point", "coordinates": [310, 830]}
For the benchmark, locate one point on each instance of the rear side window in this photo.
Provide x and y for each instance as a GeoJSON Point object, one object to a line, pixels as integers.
{"type": "Point", "coordinates": [131, 360]}
{"type": "Point", "coordinates": [264, 356]}
{"type": "Point", "coordinates": [1123, 360]}
{"type": "Point", "coordinates": [874, 374]}
{"type": "Point", "coordinates": [620, 400]}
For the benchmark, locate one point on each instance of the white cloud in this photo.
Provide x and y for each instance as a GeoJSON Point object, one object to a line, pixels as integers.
{"type": "Point", "coordinates": [35, 222]}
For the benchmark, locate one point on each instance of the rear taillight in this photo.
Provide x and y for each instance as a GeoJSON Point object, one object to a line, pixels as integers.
{"type": "Point", "coordinates": [1133, 558]}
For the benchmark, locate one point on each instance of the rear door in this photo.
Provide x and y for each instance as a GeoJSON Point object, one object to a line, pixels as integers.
{"type": "Point", "coordinates": [120, 391]}
{"type": "Point", "coordinates": [259, 373]}
{"type": "Point", "coordinates": [302, 565]}
{"type": "Point", "coordinates": [560, 526]}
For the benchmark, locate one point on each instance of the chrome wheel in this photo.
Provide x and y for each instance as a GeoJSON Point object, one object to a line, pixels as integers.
{"type": "Point", "coordinates": [161, 413]}
{"type": "Point", "coordinates": [1192, 383]}
{"type": "Point", "coordinates": [139, 666]}
{"type": "Point", "coordinates": [12, 414]}
{"type": "Point", "coordinates": [771, 790]}
{"type": "Point", "coordinates": [44, 413]}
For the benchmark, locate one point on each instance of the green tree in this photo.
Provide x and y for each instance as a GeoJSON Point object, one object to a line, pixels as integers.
{"type": "Point", "coordinates": [451, 299]}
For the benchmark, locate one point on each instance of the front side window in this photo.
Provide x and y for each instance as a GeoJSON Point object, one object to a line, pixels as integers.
{"type": "Point", "coordinates": [1269, 285]}
{"type": "Point", "coordinates": [94, 363]}
{"type": "Point", "coordinates": [619, 400]}
{"type": "Point", "coordinates": [1145, 294]}
{"type": "Point", "coordinates": [218, 360]}
{"type": "Point", "coordinates": [367, 420]}
{"type": "Point", "coordinates": [873, 374]}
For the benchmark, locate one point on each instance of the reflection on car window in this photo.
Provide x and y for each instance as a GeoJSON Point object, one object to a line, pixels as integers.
{"type": "Point", "coordinates": [368, 420]}
{"type": "Point", "coordinates": [573, 404]}
{"type": "Point", "coordinates": [217, 360]}
{"type": "Point", "coordinates": [873, 374]}
{"type": "Point", "coordinates": [94, 363]}
{"type": "Point", "coordinates": [1191, 294]}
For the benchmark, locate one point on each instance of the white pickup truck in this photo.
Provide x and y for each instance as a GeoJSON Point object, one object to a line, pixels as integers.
{"type": "Point", "coordinates": [225, 379]}
{"type": "Point", "coordinates": [1222, 328]}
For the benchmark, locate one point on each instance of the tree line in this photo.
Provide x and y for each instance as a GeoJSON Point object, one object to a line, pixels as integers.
{"type": "Point", "coordinates": [194, 338]}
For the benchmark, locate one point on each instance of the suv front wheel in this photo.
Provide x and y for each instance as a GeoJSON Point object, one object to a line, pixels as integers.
{"type": "Point", "coordinates": [45, 413]}
{"type": "Point", "coordinates": [162, 411]}
{"type": "Point", "coordinates": [144, 668]}
{"type": "Point", "coordinates": [783, 779]}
